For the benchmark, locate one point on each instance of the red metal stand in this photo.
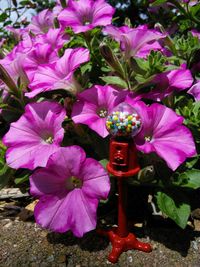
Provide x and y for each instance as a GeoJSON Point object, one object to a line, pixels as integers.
{"type": "Point", "coordinates": [123, 163]}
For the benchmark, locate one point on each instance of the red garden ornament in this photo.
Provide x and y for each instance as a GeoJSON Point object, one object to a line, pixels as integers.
{"type": "Point", "coordinates": [123, 123]}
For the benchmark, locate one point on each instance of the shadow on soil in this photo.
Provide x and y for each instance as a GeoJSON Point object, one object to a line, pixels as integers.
{"type": "Point", "coordinates": [170, 236]}
{"type": "Point", "coordinates": [91, 241]}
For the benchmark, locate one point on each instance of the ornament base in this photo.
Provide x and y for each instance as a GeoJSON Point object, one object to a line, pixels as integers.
{"type": "Point", "coordinates": [122, 244]}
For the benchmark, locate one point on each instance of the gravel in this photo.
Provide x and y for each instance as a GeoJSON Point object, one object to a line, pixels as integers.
{"type": "Point", "coordinates": [26, 244]}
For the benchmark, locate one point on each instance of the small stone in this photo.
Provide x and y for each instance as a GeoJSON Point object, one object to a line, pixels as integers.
{"type": "Point", "coordinates": [43, 234]}
{"type": "Point", "coordinates": [130, 259]}
{"type": "Point", "coordinates": [62, 258]}
{"type": "Point", "coordinates": [50, 258]}
{"type": "Point", "coordinates": [196, 225]}
{"type": "Point", "coordinates": [33, 258]}
{"type": "Point", "coordinates": [5, 221]}
{"type": "Point", "coordinates": [8, 225]}
{"type": "Point", "coordinates": [196, 214]}
{"type": "Point", "coordinates": [194, 245]}
{"type": "Point", "coordinates": [154, 246]}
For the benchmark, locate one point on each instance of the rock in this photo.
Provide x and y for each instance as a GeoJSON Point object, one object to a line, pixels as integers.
{"type": "Point", "coordinates": [5, 221]}
{"type": "Point", "coordinates": [130, 259]}
{"type": "Point", "coordinates": [196, 214]}
{"type": "Point", "coordinates": [196, 225]}
{"type": "Point", "coordinates": [27, 212]}
{"type": "Point", "coordinates": [62, 258]}
{"type": "Point", "coordinates": [50, 258]}
{"type": "Point", "coordinates": [194, 245]}
{"type": "Point", "coordinates": [8, 225]}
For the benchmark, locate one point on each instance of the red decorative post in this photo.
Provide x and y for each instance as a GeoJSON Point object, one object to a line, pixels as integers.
{"type": "Point", "coordinates": [123, 124]}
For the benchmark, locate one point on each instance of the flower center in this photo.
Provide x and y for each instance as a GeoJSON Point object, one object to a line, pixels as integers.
{"type": "Point", "coordinates": [73, 182]}
{"type": "Point", "coordinates": [102, 112]}
{"type": "Point", "coordinates": [86, 22]}
{"type": "Point", "coordinates": [49, 140]}
{"type": "Point", "coordinates": [87, 19]}
{"type": "Point", "coordinates": [148, 138]}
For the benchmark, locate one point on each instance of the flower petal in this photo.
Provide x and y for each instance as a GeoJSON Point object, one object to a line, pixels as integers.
{"type": "Point", "coordinates": [75, 212]}
{"type": "Point", "coordinates": [96, 179]}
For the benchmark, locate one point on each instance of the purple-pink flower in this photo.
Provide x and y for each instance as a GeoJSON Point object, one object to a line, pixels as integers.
{"type": "Point", "coordinates": [54, 37]}
{"type": "Point", "coordinates": [136, 41]}
{"type": "Point", "coordinates": [58, 75]}
{"type": "Point", "coordinates": [35, 136]}
{"type": "Point", "coordinates": [84, 15]}
{"type": "Point", "coordinates": [40, 54]}
{"type": "Point", "coordinates": [195, 91]}
{"type": "Point", "coordinates": [167, 82]}
{"type": "Point", "coordinates": [163, 133]}
{"type": "Point", "coordinates": [42, 22]}
{"type": "Point", "coordinates": [69, 189]}
{"type": "Point", "coordinates": [94, 105]}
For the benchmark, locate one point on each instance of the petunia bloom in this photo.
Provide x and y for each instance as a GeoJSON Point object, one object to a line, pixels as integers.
{"type": "Point", "coordinates": [195, 91]}
{"type": "Point", "coordinates": [54, 37]}
{"type": "Point", "coordinates": [41, 54]}
{"type": "Point", "coordinates": [95, 104]}
{"type": "Point", "coordinates": [167, 82]}
{"type": "Point", "coordinates": [136, 41]}
{"type": "Point", "coordinates": [163, 133]}
{"type": "Point", "coordinates": [69, 189]}
{"type": "Point", "coordinates": [42, 22]}
{"type": "Point", "coordinates": [58, 75]}
{"type": "Point", "coordinates": [84, 15]}
{"type": "Point", "coordinates": [35, 136]}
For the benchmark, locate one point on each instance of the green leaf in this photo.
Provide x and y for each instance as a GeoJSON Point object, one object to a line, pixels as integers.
{"type": "Point", "coordinates": [25, 2]}
{"type": "Point", "coordinates": [140, 64]}
{"type": "Point", "coordinates": [175, 206]}
{"type": "Point", "coordinates": [5, 175]}
{"type": "Point", "coordinates": [86, 67]}
{"type": "Point", "coordinates": [195, 9]}
{"type": "Point", "coordinates": [3, 17]}
{"type": "Point", "coordinates": [190, 179]}
{"type": "Point", "coordinates": [22, 179]}
{"type": "Point", "coordinates": [104, 162]}
{"type": "Point", "coordinates": [114, 80]}
{"type": "Point", "coordinates": [158, 2]}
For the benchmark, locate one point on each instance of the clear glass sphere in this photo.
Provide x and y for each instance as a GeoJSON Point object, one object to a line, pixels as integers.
{"type": "Point", "coordinates": [123, 121]}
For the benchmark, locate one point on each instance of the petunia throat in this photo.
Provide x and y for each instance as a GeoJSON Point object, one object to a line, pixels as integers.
{"type": "Point", "coordinates": [73, 182]}
{"type": "Point", "coordinates": [102, 112]}
{"type": "Point", "coordinates": [49, 140]}
{"type": "Point", "coordinates": [148, 138]}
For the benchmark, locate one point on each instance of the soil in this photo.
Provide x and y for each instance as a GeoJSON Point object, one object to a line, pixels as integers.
{"type": "Point", "coordinates": [26, 244]}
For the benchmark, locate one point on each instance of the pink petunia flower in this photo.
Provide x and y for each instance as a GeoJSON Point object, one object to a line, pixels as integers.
{"type": "Point", "coordinates": [35, 136]}
{"type": "Point", "coordinates": [136, 41]}
{"type": "Point", "coordinates": [54, 37]}
{"type": "Point", "coordinates": [94, 105]}
{"type": "Point", "coordinates": [195, 91]}
{"type": "Point", "coordinates": [163, 133]}
{"type": "Point", "coordinates": [58, 75]}
{"type": "Point", "coordinates": [167, 82]}
{"type": "Point", "coordinates": [195, 33]}
{"type": "Point", "coordinates": [84, 15]}
{"type": "Point", "coordinates": [42, 22]}
{"type": "Point", "coordinates": [13, 61]}
{"type": "Point", "coordinates": [69, 189]}
{"type": "Point", "coordinates": [40, 54]}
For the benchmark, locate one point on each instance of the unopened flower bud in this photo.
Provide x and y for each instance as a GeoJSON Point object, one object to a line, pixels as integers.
{"type": "Point", "coordinates": [111, 59]}
{"type": "Point", "coordinates": [6, 78]}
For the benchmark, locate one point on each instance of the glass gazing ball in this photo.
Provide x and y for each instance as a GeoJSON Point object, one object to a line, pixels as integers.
{"type": "Point", "coordinates": [123, 121]}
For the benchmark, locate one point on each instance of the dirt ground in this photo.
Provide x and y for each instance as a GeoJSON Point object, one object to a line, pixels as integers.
{"type": "Point", "coordinates": [26, 244]}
